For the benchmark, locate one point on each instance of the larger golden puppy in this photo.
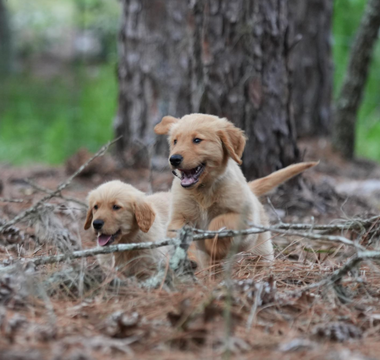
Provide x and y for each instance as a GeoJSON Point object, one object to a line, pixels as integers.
{"type": "Point", "coordinates": [210, 191]}
{"type": "Point", "coordinates": [120, 214]}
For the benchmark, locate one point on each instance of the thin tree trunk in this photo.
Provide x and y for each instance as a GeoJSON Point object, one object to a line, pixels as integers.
{"type": "Point", "coordinates": [153, 73]}
{"type": "Point", "coordinates": [311, 65]}
{"type": "Point", "coordinates": [354, 81]}
{"type": "Point", "coordinates": [5, 41]}
{"type": "Point", "coordinates": [240, 71]}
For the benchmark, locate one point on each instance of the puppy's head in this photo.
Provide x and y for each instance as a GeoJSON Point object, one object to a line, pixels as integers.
{"type": "Point", "coordinates": [200, 146]}
{"type": "Point", "coordinates": [117, 209]}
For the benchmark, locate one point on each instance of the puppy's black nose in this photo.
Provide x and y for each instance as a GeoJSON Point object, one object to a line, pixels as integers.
{"type": "Point", "coordinates": [176, 160]}
{"type": "Point", "coordinates": [98, 224]}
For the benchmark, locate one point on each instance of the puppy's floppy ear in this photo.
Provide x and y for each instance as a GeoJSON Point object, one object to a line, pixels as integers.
{"type": "Point", "coordinates": [88, 222]}
{"type": "Point", "coordinates": [164, 126]}
{"type": "Point", "coordinates": [144, 215]}
{"type": "Point", "coordinates": [234, 140]}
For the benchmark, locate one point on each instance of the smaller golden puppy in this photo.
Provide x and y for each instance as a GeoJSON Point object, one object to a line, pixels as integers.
{"type": "Point", "coordinates": [120, 214]}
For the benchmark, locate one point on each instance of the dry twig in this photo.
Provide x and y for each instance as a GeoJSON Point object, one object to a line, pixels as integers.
{"type": "Point", "coordinates": [339, 273]}
{"type": "Point", "coordinates": [11, 200]}
{"type": "Point", "coordinates": [48, 191]}
{"type": "Point", "coordinates": [313, 236]}
{"type": "Point", "coordinates": [353, 224]}
{"type": "Point", "coordinates": [56, 192]}
{"type": "Point", "coordinates": [201, 235]}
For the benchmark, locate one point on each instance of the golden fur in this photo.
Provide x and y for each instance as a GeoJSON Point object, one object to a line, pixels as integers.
{"type": "Point", "coordinates": [221, 197]}
{"type": "Point", "coordinates": [140, 218]}
{"type": "Point", "coordinates": [263, 185]}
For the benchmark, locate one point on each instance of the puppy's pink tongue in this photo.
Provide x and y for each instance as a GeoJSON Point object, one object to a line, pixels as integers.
{"type": "Point", "coordinates": [188, 178]}
{"type": "Point", "coordinates": [187, 181]}
{"type": "Point", "coordinates": [104, 239]}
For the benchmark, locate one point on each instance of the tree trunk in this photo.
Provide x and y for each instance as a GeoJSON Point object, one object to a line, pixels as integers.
{"type": "Point", "coordinates": [5, 42]}
{"type": "Point", "coordinates": [240, 71]}
{"type": "Point", "coordinates": [311, 65]}
{"type": "Point", "coordinates": [153, 73]}
{"type": "Point", "coordinates": [351, 92]}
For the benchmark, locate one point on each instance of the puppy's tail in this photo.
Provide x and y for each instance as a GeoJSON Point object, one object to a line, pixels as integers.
{"type": "Point", "coordinates": [264, 185]}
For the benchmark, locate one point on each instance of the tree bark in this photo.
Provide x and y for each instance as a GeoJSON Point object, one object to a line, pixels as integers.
{"type": "Point", "coordinates": [311, 65]}
{"type": "Point", "coordinates": [354, 81]}
{"type": "Point", "coordinates": [153, 73]}
{"type": "Point", "coordinates": [229, 58]}
{"type": "Point", "coordinates": [5, 42]}
{"type": "Point", "coordinates": [240, 57]}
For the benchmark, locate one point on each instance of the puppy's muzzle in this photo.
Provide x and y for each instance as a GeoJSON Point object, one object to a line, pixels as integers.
{"type": "Point", "coordinates": [98, 224]}
{"type": "Point", "coordinates": [176, 160]}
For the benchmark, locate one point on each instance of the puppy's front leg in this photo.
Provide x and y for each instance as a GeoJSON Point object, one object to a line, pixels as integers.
{"type": "Point", "coordinates": [219, 248]}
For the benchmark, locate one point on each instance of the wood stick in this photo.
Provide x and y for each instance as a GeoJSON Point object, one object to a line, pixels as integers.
{"type": "Point", "coordinates": [200, 235]}
{"type": "Point", "coordinates": [56, 192]}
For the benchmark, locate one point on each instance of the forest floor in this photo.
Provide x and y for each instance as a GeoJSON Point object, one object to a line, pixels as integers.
{"type": "Point", "coordinates": [73, 310]}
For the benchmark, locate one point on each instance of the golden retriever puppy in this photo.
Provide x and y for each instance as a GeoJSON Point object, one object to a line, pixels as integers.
{"type": "Point", "coordinates": [210, 191]}
{"type": "Point", "coordinates": [120, 214]}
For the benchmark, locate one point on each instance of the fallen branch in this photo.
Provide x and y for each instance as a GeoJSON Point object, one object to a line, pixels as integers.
{"type": "Point", "coordinates": [339, 273]}
{"type": "Point", "coordinates": [313, 236]}
{"type": "Point", "coordinates": [352, 263]}
{"type": "Point", "coordinates": [201, 235]}
{"type": "Point", "coordinates": [353, 224]}
{"type": "Point", "coordinates": [348, 225]}
{"type": "Point", "coordinates": [56, 192]}
{"type": "Point", "coordinates": [11, 200]}
{"type": "Point", "coordinates": [48, 191]}
{"type": "Point", "coordinates": [255, 229]}
{"type": "Point", "coordinates": [43, 260]}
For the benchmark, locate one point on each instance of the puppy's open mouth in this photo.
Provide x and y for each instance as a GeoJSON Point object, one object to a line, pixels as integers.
{"type": "Point", "coordinates": [104, 239]}
{"type": "Point", "coordinates": [191, 177]}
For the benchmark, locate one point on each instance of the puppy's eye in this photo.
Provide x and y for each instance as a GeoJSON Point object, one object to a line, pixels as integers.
{"type": "Point", "coordinates": [116, 207]}
{"type": "Point", "coordinates": [96, 207]}
{"type": "Point", "coordinates": [175, 142]}
{"type": "Point", "coordinates": [197, 140]}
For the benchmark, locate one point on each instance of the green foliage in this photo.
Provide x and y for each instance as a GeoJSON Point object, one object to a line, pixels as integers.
{"type": "Point", "coordinates": [48, 121]}
{"type": "Point", "coordinates": [53, 104]}
{"type": "Point", "coordinates": [39, 25]}
{"type": "Point", "coordinates": [347, 16]}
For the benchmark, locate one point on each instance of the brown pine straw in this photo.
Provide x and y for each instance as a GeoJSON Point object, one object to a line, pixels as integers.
{"type": "Point", "coordinates": [321, 277]}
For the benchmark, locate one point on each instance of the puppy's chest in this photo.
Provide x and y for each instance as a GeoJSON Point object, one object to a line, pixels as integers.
{"type": "Point", "coordinates": [221, 207]}
{"type": "Point", "coordinates": [206, 215]}
{"type": "Point", "coordinates": [206, 208]}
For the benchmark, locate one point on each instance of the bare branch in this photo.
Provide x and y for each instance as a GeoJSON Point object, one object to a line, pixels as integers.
{"type": "Point", "coordinates": [11, 200]}
{"type": "Point", "coordinates": [48, 191]}
{"type": "Point", "coordinates": [347, 225]}
{"type": "Point", "coordinates": [312, 236]}
{"type": "Point", "coordinates": [339, 273]}
{"type": "Point", "coordinates": [351, 264]}
{"type": "Point", "coordinates": [199, 235]}
{"type": "Point", "coordinates": [56, 192]}
{"type": "Point", "coordinates": [43, 260]}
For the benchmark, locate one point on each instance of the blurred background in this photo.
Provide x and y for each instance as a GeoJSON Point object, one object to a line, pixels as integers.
{"type": "Point", "coordinates": [59, 88]}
